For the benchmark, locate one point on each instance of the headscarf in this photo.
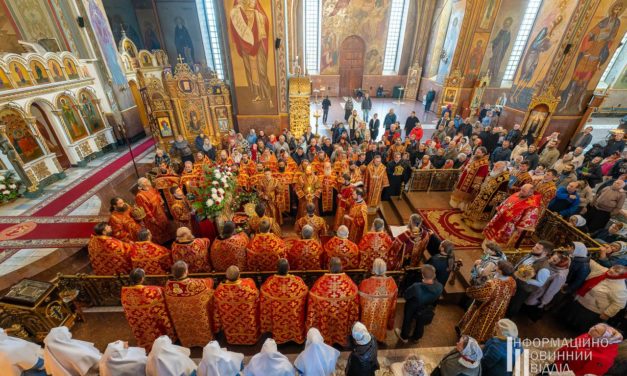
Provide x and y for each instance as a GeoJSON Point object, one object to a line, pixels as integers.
{"type": "Point", "coordinates": [269, 362]}
{"type": "Point", "coordinates": [360, 334]}
{"type": "Point", "coordinates": [166, 359]}
{"type": "Point", "coordinates": [17, 355]}
{"type": "Point", "coordinates": [414, 366]}
{"type": "Point", "coordinates": [64, 356]}
{"type": "Point", "coordinates": [119, 360]}
{"type": "Point", "coordinates": [612, 335]}
{"type": "Point", "coordinates": [471, 354]}
{"type": "Point", "coordinates": [622, 251]}
{"type": "Point", "coordinates": [219, 362]}
{"type": "Point", "coordinates": [581, 221]}
{"type": "Point", "coordinates": [318, 358]}
{"type": "Point", "coordinates": [580, 250]}
{"type": "Point", "coordinates": [507, 328]}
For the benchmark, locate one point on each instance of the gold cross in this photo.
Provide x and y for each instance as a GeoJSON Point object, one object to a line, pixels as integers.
{"type": "Point", "coordinates": [180, 59]}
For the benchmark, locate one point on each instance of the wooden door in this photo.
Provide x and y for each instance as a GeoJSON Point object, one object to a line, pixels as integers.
{"type": "Point", "coordinates": [51, 139]}
{"type": "Point", "coordinates": [352, 54]}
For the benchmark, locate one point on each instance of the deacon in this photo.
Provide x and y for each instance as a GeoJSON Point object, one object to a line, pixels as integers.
{"type": "Point", "coordinates": [516, 214]}
{"type": "Point", "coordinates": [282, 305]}
{"type": "Point", "coordinates": [229, 249]}
{"type": "Point", "coordinates": [308, 190]}
{"type": "Point", "coordinates": [318, 223]}
{"type": "Point", "coordinates": [123, 225]}
{"type": "Point", "coordinates": [180, 209]}
{"type": "Point", "coordinates": [265, 249]}
{"type": "Point", "coordinates": [150, 200]}
{"type": "Point", "coordinates": [268, 190]}
{"type": "Point", "coordinates": [333, 305]}
{"type": "Point", "coordinates": [377, 298]}
{"type": "Point", "coordinates": [342, 248]}
{"type": "Point", "coordinates": [306, 253]}
{"type": "Point", "coordinates": [255, 221]}
{"type": "Point", "coordinates": [285, 178]}
{"type": "Point", "coordinates": [375, 244]}
{"type": "Point", "coordinates": [376, 180]}
{"type": "Point", "coordinates": [493, 191]}
{"type": "Point", "coordinates": [237, 309]}
{"type": "Point", "coordinates": [108, 255]}
{"type": "Point", "coordinates": [328, 182]}
{"type": "Point", "coordinates": [190, 303]}
{"type": "Point", "coordinates": [357, 217]}
{"type": "Point", "coordinates": [145, 310]}
{"type": "Point", "coordinates": [194, 251]}
{"type": "Point", "coordinates": [151, 257]}
{"type": "Point", "coordinates": [344, 200]}
{"type": "Point", "coordinates": [470, 180]}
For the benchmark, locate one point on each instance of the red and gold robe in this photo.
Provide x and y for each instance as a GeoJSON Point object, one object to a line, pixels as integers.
{"type": "Point", "coordinates": [264, 251]}
{"type": "Point", "coordinates": [470, 181]}
{"type": "Point", "coordinates": [269, 161]}
{"type": "Point", "coordinates": [491, 300]}
{"type": "Point", "coordinates": [493, 191]}
{"type": "Point", "coordinates": [195, 253]}
{"type": "Point", "coordinates": [345, 250]}
{"type": "Point", "coordinates": [152, 257]}
{"type": "Point", "coordinates": [254, 222]}
{"type": "Point", "coordinates": [317, 165]}
{"type": "Point", "coordinates": [374, 245]}
{"type": "Point", "coordinates": [411, 247]}
{"type": "Point", "coordinates": [376, 180]}
{"type": "Point", "coordinates": [268, 191]}
{"type": "Point", "coordinates": [190, 303]}
{"type": "Point", "coordinates": [512, 217]}
{"type": "Point", "coordinates": [547, 190]}
{"type": "Point", "coordinates": [231, 251]}
{"type": "Point", "coordinates": [156, 220]}
{"type": "Point", "coordinates": [318, 223]}
{"type": "Point", "coordinates": [249, 167]}
{"type": "Point", "coordinates": [377, 298]}
{"type": "Point", "coordinates": [333, 307]}
{"type": "Point", "coordinates": [308, 190]}
{"type": "Point", "coordinates": [344, 202]}
{"type": "Point", "coordinates": [327, 184]}
{"type": "Point", "coordinates": [305, 254]}
{"type": "Point", "coordinates": [146, 313]}
{"type": "Point", "coordinates": [358, 222]}
{"type": "Point", "coordinates": [181, 213]}
{"type": "Point", "coordinates": [237, 311]}
{"type": "Point", "coordinates": [109, 256]}
{"type": "Point", "coordinates": [395, 149]}
{"type": "Point", "coordinates": [520, 179]}
{"type": "Point", "coordinates": [282, 308]}
{"type": "Point", "coordinates": [124, 226]}
{"type": "Point", "coordinates": [340, 167]}
{"type": "Point", "coordinates": [285, 179]}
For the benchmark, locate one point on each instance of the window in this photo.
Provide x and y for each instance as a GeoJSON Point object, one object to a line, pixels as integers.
{"type": "Point", "coordinates": [396, 29]}
{"type": "Point", "coordinates": [521, 40]}
{"type": "Point", "coordinates": [311, 35]}
{"type": "Point", "coordinates": [613, 60]}
{"type": "Point", "coordinates": [208, 17]}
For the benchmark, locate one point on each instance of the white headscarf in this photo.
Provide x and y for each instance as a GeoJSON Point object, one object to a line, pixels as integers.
{"type": "Point", "coordinates": [471, 354]}
{"type": "Point", "coordinates": [318, 358]}
{"type": "Point", "coordinates": [269, 362]}
{"type": "Point", "coordinates": [166, 359]}
{"type": "Point", "coordinates": [580, 250]}
{"type": "Point", "coordinates": [219, 362]}
{"type": "Point", "coordinates": [119, 360]}
{"type": "Point", "coordinates": [360, 334]}
{"type": "Point", "coordinates": [64, 356]}
{"type": "Point", "coordinates": [17, 355]}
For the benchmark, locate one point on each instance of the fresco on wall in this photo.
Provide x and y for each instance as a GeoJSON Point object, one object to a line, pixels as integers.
{"type": "Point", "coordinates": [181, 31]}
{"type": "Point", "coordinates": [39, 71]}
{"type": "Point", "coordinates": [71, 119]}
{"type": "Point", "coordinates": [5, 84]}
{"type": "Point", "coordinates": [252, 55]}
{"type": "Point", "coordinates": [367, 19]}
{"type": "Point", "coordinates": [121, 17]}
{"type": "Point", "coordinates": [148, 25]}
{"type": "Point", "coordinates": [452, 35]}
{"type": "Point", "coordinates": [56, 71]}
{"type": "Point", "coordinates": [19, 74]}
{"type": "Point", "coordinates": [475, 57]}
{"type": "Point", "coordinates": [90, 113]}
{"type": "Point", "coordinates": [604, 34]}
{"type": "Point", "coordinates": [8, 33]}
{"type": "Point", "coordinates": [20, 136]}
{"type": "Point", "coordinates": [542, 45]}
{"type": "Point", "coordinates": [37, 23]}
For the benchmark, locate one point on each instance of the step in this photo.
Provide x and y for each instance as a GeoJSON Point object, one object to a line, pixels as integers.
{"type": "Point", "coordinates": [402, 208]}
{"type": "Point", "coordinates": [389, 214]}
{"type": "Point", "coordinates": [428, 200]}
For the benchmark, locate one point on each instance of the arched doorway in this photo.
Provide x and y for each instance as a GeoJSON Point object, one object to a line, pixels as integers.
{"type": "Point", "coordinates": [351, 64]}
{"type": "Point", "coordinates": [137, 97]}
{"type": "Point", "coordinates": [47, 132]}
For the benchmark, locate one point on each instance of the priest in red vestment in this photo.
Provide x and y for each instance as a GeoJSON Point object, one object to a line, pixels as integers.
{"type": "Point", "coordinates": [282, 305]}
{"type": "Point", "coordinates": [180, 209]}
{"type": "Point", "coordinates": [190, 303]}
{"type": "Point", "coordinates": [268, 190]}
{"type": "Point", "coordinates": [151, 201]}
{"type": "Point", "coordinates": [470, 180]}
{"type": "Point", "coordinates": [123, 225]}
{"type": "Point", "coordinates": [306, 253]}
{"type": "Point", "coordinates": [375, 244]}
{"type": "Point", "coordinates": [409, 246]}
{"type": "Point", "coordinates": [344, 201]}
{"type": "Point", "coordinates": [194, 251]}
{"type": "Point", "coordinates": [318, 223]}
{"type": "Point", "coordinates": [237, 309]}
{"type": "Point", "coordinates": [108, 255]}
{"type": "Point", "coordinates": [265, 249]}
{"type": "Point", "coordinates": [342, 247]}
{"type": "Point", "coordinates": [377, 298]}
{"type": "Point", "coordinates": [357, 217]}
{"type": "Point", "coordinates": [515, 215]}
{"type": "Point", "coordinates": [333, 305]}
{"type": "Point", "coordinates": [145, 310]}
{"type": "Point", "coordinates": [308, 190]}
{"type": "Point", "coordinates": [255, 221]}
{"type": "Point", "coordinates": [328, 183]}
{"type": "Point", "coordinates": [151, 257]}
{"type": "Point", "coordinates": [376, 179]}
{"type": "Point", "coordinates": [229, 249]}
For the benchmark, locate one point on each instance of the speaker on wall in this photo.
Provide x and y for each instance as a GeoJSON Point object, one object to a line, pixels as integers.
{"type": "Point", "coordinates": [277, 43]}
{"type": "Point", "coordinates": [81, 21]}
{"type": "Point", "coordinates": [567, 48]}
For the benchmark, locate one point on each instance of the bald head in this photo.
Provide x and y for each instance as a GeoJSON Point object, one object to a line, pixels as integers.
{"type": "Point", "coordinates": [342, 232]}
{"type": "Point", "coordinates": [307, 232]}
{"type": "Point", "coordinates": [335, 265]}
{"type": "Point", "coordinates": [232, 273]}
{"type": "Point", "coordinates": [526, 190]}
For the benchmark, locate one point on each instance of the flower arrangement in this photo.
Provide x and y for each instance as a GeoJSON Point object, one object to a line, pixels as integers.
{"type": "Point", "coordinates": [214, 192]}
{"type": "Point", "coordinates": [9, 188]}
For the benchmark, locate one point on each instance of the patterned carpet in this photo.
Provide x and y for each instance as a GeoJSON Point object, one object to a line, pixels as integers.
{"type": "Point", "coordinates": [448, 224]}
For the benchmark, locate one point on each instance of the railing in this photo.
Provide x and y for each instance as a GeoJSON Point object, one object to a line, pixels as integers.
{"type": "Point", "coordinates": [554, 228]}
{"type": "Point", "coordinates": [433, 180]}
{"type": "Point", "coordinates": [97, 291]}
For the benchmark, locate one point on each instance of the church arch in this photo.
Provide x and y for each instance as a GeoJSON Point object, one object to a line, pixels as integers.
{"type": "Point", "coordinates": [5, 78]}
{"type": "Point", "coordinates": [19, 134]}
{"type": "Point", "coordinates": [90, 110]}
{"type": "Point", "coordinates": [53, 136]}
{"type": "Point", "coordinates": [39, 69]}
{"type": "Point", "coordinates": [70, 116]}
{"type": "Point", "coordinates": [146, 59]}
{"type": "Point", "coordinates": [56, 71]}
{"type": "Point", "coordinates": [19, 73]}
{"type": "Point", "coordinates": [70, 68]}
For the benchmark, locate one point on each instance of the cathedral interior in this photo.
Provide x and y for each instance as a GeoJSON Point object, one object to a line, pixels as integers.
{"type": "Point", "coordinates": [91, 89]}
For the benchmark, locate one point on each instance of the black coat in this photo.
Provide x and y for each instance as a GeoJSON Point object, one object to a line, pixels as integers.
{"type": "Point", "coordinates": [362, 361]}
{"type": "Point", "coordinates": [577, 273]}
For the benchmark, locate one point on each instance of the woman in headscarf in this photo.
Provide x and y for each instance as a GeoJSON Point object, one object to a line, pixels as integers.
{"type": "Point", "coordinates": [242, 145]}
{"type": "Point", "coordinates": [64, 356]}
{"type": "Point", "coordinates": [121, 360]}
{"type": "Point", "coordinates": [579, 222]}
{"type": "Point", "coordinates": [465, 359]}
{"type": "Point", "coordinates": [269, 361]}
{"type": "Point", "coordinates": [448, 164]}
{"type": "Point", "coordinates": [613, 254]}
{"type": "Point", "coordinates": [579, 268]}
{"type": "Point", "coordinates": [610, 234]}
{"type": "Point", "coordinates": [167, 359]}
{"type": "Point", "coordinates": [219, 362]}
{"type": "Point", "coordinates": [412, 366]}
{"type": "Point", "coordinates": [362, 361]}
{"type": "Point", "coordinates": [497, 349]}
{"type": "Point", "coordinates": [485, 267]}
{"type": "Point", "coordinates": [19, 357]}
{"type": "Point", "coordinates": [464, 146]}
{"type": "Point", "coordinates": [318, 358]}
{"type": "Point", "coordinates": [425, 163]}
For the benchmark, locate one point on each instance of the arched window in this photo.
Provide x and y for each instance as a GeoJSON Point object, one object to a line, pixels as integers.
{"type": "Point", "coordinates": [311, 35]}
{"type": "Point", "coordinates": [521, 40]}
{"type": "Point", "coordinates": [209, 28]}
{"type": "Point", "coordinates": [396, 31]}
{"type": "Point", "coordinates": [605, 80]}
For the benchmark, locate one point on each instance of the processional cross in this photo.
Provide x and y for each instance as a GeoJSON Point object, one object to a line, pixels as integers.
{"type": "Point", "coordinates": [180, 59]}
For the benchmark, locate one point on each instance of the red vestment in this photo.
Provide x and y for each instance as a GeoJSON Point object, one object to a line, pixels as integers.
{"type": "Point", "coordinates": [318, 223]}
{"type": "Point", "coordinates": [190, 303]}
{"type": "Point", "coordinates": [146, 313]}
{"type": "Point", "coordinates": [376, 180]}
{"type": "Point", "coordinates": [344, 202]}
{"type": "Point", "coordinates": [231, 251]}
{"type": "Point", "coordinates": [181, 213]}
{"type": "Point", "coordinates": [333, 307]}
{"type": "Point", "coordinates": [282, 308]}
{"type": "Point", "coordinates": [264, 251]}
{"type": "Point", "coordinates": [512, 217]}
{"type": "Point", "coordinates": [124, 226]}
{"type": "Point", "coordinates": [470, 181]}
{"type": "Point", "coordinates": [254, 222]}
{"type": "Point", "coordinates": [307, 190]}
{"type": "Point", "coordinates": [156, 220]}
{"type": "Point", "coordinates": [411, 247]}
{"type": "Point", "coordinates": [374, 245]}
{"type": "Point", "coordinates": [152, 257]}
{"type": "Point", "coordinates": [377, 298]}
{"type": "Point", "coordinates": [195, 253]}
{"type": "Point", "coordinates": [305, 254]}
{"type": "Point", "coordinates": [327, 184]}
{"type": "Point", "coordinates": [345, 249]}
{"type": "Point", "coordinates": [357, 223]}
{"type": "Point", "coordinates": [109, 256]}
{"type": "Point", "coordinates": [285, 179]}
{"type": "Point", "coordinates": [237, 311]}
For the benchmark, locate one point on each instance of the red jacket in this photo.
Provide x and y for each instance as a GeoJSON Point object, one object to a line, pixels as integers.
{"type": "Point", "coordinates": [583, 357]}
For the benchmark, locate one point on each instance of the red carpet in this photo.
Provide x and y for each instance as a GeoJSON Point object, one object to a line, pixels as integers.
{"type": "Point", "coordinates": [448, 224]}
